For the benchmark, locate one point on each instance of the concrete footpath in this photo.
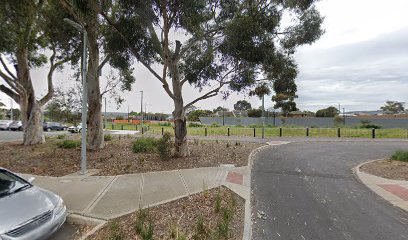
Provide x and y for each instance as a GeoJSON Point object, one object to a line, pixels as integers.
{"type": "Point", "coordinates": [393, 191]}
{"type": "Point", "coordinates": [108, 197]}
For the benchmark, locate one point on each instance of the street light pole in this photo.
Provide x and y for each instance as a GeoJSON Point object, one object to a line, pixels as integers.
{"type": "Point", "coordinates": [84, 93]}
{"type": "Point", "coordinates": [141, 109]}
{"type": "Point", "coordinates": [11, 109]}
{"type": "Point", "coordinates": [263, 116]}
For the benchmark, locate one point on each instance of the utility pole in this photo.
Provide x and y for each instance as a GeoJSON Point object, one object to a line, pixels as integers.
{"type": "Point", "coordinates": [344, 117]}
{"type": "Point", "coordinates": [128, 113]}
{"type": "Point", "coordinates": [11, 109]}
{"type": "Point", "coordinates": [82, 29]}
{"type": "Point", "coordinates": [141, 109]}
{"type": "Point", "coordinates": [223, 116]}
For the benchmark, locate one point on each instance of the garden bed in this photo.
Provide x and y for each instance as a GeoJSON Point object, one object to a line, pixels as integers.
{"type": "Point", "coordinates": [117, 157]}
{"type": "Point", "coordinates": [212, 214]}
{"type": "Point", "coordinates": [392, 169]}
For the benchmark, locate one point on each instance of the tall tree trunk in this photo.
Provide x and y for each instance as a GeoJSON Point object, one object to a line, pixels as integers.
{"type": "Point", "coordinates": [95, 122]}
{"type": "Point", "coordinates": [30, 109]}
{"type": "Point", "coordinates": [180, 126]}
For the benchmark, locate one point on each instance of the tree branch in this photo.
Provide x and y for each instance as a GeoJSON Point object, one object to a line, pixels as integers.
{"type": "Point", "coordinates": [15, 96]}
{"type": "Point", "coordinates": [103, 63]}
{"type": "Point", "coordinates": [7, 69]}
{"type": "Point", "coordinates": [137, 55]}
{"type": "Point", "coordinates": [209, 94]}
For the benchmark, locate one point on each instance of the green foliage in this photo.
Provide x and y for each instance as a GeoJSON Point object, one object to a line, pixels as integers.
{"type": "Point", "coordinates": [144, 145]}
{"type": "Point", "coordinates": [400, 156]}
{"type": "Point", "coordinates": [165, 146]}
{"type": "Point", "coordinates": [214, 124]}
{"type": "Point", "coordinates": [144, 225]}
{"type": "Point", "coordinates": [393, 107]}
{"type": "Point", "coordinates": [119, 118]}
{"type": "Point", "coordinates": [107, 137]}
{"type": "Point", "coordinates": [338, 120]}
{"type": "Point", "coordinates": [115, 231]}
{"type": "Point", "coordinates": [255, 113]}
{"type": "Point", "coordinates": [327, 112]}
{"type": "Point", "coordinates": [69, 144]}
{"type": "Point", "coordinates": [61, 136]}
{"type": "Point", "coordinates": [193, 124]}
{"type": "Point", "coordinates": [195, 115]}
{"type": "Point", "coordinates": [165, 124]}
{"type": "Point", "coordinates": [65, 106]}
{"type": "Point", "coordinates": [369, 125]}
{"type": "Point", "coordinates": [242, 105]}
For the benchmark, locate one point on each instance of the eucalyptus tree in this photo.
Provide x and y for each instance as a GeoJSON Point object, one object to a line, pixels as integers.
{"type": "Point", "coordinates": [28, 33]}
{"type": "Point", "coordinates": [221, 45]}
{"type": "Point", "coordinates": [86, 14]}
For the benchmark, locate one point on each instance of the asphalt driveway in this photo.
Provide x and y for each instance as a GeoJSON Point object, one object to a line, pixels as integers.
{"type": "Point", "coordinates": [308, 191]}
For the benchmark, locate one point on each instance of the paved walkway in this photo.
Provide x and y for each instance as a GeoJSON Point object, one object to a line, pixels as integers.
{"type": "Point", "coordinates": [108, 197]}
{"type": "Point", "coordinates": [394, 191]}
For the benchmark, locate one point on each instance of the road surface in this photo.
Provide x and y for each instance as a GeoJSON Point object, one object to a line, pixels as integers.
{"type": "Point", "coordinates": [308, 191]}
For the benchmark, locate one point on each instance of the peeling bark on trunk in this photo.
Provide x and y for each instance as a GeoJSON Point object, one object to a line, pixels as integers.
{"type": "Point", "coordinates": [30, 108]}
{"type": "Point", "coordinates": [95, 121]}
{"type": "Point", "coordinates": [180, 128]}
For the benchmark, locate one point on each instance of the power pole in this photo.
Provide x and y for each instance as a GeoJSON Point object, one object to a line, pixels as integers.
{"type": "Point", "coordinates": [223, 116]}
{"type": "Point", "coordinates": [263, 116]}
{"type": "Point", "coordinates": [344, 117]}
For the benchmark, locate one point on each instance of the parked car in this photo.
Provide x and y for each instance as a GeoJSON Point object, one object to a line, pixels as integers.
{"type": "Point", "coordinates": [48, 126]}
{"type": "Point", "coordinates": [5, 124]}
{"type": "Point", "coordinates": [75, 129]}
{"type": "Point", "coordinates": [27, 211]}
{"type": "Point", "coordinates": [16, 125]}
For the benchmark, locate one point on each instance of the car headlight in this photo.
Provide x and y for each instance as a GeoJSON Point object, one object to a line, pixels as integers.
{"type": "Point", "coordinates": [59, 207]}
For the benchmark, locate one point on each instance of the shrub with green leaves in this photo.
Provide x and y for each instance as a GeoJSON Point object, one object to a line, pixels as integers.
{"type": "Point", "coordinates": [400, 156]}
{"type": "Point", "coordinates": [145, 145]}
{"type": "Point", "coordinates": [165, 146]}
{"type": "Point", "coordinates": [107, 137]}
{"type": "Point", "coordinates": [194, 124]}
{"type": "Point", "coordinates": [69, 144]}
{"type": "Point", "coordinates": [214, 124]}
{"type": "Point", "coordinates": [143, 225]}
{"type": "Point", "coordinates": [115, 231]}
{"type": "Point", "coordinates": [61, 136]}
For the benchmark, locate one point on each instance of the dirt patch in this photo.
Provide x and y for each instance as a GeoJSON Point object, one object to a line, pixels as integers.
{"type": "Point", "coordinates": [182, 217]}
{"type": "Point", "coordinates": [391, 169]}
{"type": "Point", "coordinates": [117, 157]}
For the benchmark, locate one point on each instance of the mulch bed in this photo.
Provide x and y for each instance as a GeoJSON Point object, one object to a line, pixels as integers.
{"type": "Point", "coordinates": [117, 157]}
{"type": "Point", "coordinates": [391, 169]}
{"type": "Point", "coordinates": [182, 215]}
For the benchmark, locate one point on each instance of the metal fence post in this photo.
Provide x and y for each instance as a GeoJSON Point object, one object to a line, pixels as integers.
{"type": "Point", "coordinates": [254, 132]}
{"type": "Point", "coordinates": [113, 126]}
{"type": "Point", "coordinates": [142, 130]}
{"type": "Point", "coordinates": [307, 132]}
{"type": "Point", "coordinates": [373, 133]}
{"type": "Point", "coordinates": [205, 132]}
{"type": "Point", "coordinates": [228, 132]}
{"type": "Point", "coordinates": [338, 132]}
{"type": "Point", "coordinates": [280, 132]}
{"type": "Point", "coordinates": [162, 131]}
{"type": "Point", "coordinates": [122, 126]}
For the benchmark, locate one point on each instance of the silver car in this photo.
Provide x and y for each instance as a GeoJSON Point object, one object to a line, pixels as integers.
{"type": "Point", "coordinates": [28, 212]}
{"type": "Point", "coordinates": [5, 124]}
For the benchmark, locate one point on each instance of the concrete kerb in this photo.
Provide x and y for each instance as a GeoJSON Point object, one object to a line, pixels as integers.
{"type": "Point", "coordinates": [97, 224]}
{"type": "Point", "coordinates": [363, 177]}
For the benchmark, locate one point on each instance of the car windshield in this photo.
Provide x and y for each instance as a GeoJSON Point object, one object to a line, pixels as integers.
{"type": "Point", "coordinates": [10, 184]}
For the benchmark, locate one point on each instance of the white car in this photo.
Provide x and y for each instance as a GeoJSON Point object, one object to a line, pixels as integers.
{"type": "Point", "coordinates": [75, 129]}
{"type": "Point", "coordinates": [5, 124]}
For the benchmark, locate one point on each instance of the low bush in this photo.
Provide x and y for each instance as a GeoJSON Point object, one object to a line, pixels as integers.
{"type": "Point", "coordinates": [400, 156]}
{"type": "Point", "coordinates": [69, 144]}
{"type": "Point", "coordinates": [194, 124]}
{"type": "Point", "coordinates": [115, 231]}
{"type": "Point", "coordinates": [107, 137]}
{"type": "Point", "coordinates": [61, 136]}
{"type": "Point", "coordinates": [165, 124]}
{"type": "Point", "coordinates": [214, 124]}
{"type": "Point", "coordinates": [143, 225]}
{"type": "Point", "coordinates": [144, 145]}
{"type": "Point", "coordinates": [165, 146]}
{"type": "Point", "coordinates": [369, 125]}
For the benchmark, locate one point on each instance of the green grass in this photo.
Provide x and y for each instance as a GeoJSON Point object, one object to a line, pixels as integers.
{"type": "Point", "coordinates": [400, 156]}
{"type": "Point", "coordinates": [287, 131]}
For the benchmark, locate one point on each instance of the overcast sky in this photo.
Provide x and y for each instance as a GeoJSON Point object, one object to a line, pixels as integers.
{"type": "Point", "coordinates": [360, 62]}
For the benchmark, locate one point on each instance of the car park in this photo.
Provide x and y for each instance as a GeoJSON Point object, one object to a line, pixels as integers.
{"type": "Point", "coordinates": [48, 126]}
{"type": "Point", "coordinates": [5, 124]}
{"type": "Point", "coordinates": [16, 125]}
{"type": "Point", "coordinates": [27, 211]}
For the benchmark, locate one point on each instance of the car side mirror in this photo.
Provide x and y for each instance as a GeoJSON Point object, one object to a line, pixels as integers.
{"type": "Point", "coordinates": [31, 179]}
